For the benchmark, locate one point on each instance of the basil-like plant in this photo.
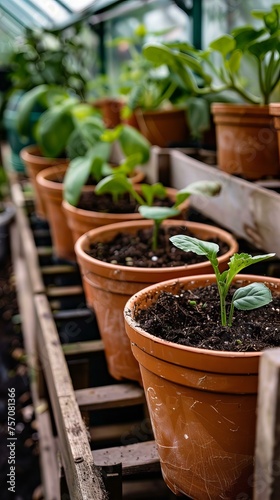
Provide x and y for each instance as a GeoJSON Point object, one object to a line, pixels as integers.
{"type": "Point", "coordinates": [245, 298]}
{"type": "Point", "coordinates": [94, 163]}
{"type": "Point", "coordinates": [248, 56]}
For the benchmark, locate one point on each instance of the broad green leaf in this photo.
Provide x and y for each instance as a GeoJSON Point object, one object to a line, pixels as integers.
{"type": "Point", "coordinates": [75, 178]}
{"type": "Point", "coordinates": [158, 213]}
{"type": "Point", "coordinates": [83, 110]}
{"type": "Point", "coordinates": [251, 296]}
{"type": "Point", "coordinates": [26, 105]}
{"type": "Point", "coordinates": [224, 44]}
{"type": "Point", "coordinates": [115, 184]}
{"type": "Point", "coordinates": [199, 247]}
{"type": "Point", "coordinates": [133, 142]}
{"type": "Point", "coordinates": [206, 188]}
{"type": "Point", "coordinates": [198, 113]}
{"type": "Point", "coordinates": [261, 48]}
{"type": "Point", "coordinates": [150, 191]}
{"type": "Point", "coordinates": [53, 131]}
{"type": "Point", "coordinates": [246, 35]}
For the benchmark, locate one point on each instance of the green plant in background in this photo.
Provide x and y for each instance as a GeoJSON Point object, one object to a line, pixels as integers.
{"type": "Point", "coordinates": [220, 72]}
{"type": "Point", "coordinates": [64, 115]}
{"type": "Point", "coordinates": [94, 163]}
{"type": "Point", "coordinates": [245, 298]}
{"type": "Point", "coordinates": [61, 58]}
{"type": "Point", "coordinates": [140, 82]}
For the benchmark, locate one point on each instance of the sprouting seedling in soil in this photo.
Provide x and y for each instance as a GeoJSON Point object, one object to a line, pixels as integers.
{"type": "Point", "coordinates": [245, 298]}
{"type": "Point", "coordinates": [159, 214]}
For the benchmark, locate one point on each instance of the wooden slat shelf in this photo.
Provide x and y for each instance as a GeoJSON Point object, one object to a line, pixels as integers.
{"type": "Point", "coordinates": [67, 445]}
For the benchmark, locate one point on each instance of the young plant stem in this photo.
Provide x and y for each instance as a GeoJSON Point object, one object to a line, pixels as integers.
{"type": "Point", "coordinates": [157, 224]}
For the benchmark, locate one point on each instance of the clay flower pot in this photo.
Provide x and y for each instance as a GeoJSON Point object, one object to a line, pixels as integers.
{"type": "Point", "coordinates": [80, 221]}
{"type": "Point", "coordinates": [34, 162]}
{"type": "Point", "coordinates": [202, 403]}
{"type": "Point", "coordinates": [108, 286]}
{"type": "Point", "coordinates": [50, 186]}
{"type": "Point", "coordinates": [110, 109]}
{"type": "Point", "coordinates": [246, 140]}
{"type": "Point", "coordinates": [163, 127]}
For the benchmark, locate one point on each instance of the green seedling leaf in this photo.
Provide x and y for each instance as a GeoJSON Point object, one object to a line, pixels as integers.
{"type": "Point", "coordinates": [115, 184]}
{"type": "Point", "coordinates": [234, 61]}
{"type": "Point", "coordinates": [246, 35]}
{"type": "Point", "coordinates": [251, 296]}
{"type": "Point", "coordinates": [240, 261]}
{"type": "Point", "coordinates": [132, 142]}
{"type": "Point", "coordinates": [76, 176]}
{"type": "Point", "coordinates": [128, 165]}
{"type": "Point", "coordinates": [111, 135]}
{"type": "Point", "coordinates": [151, 191]}
{"type": "Point", "coordinates": [261, 48]}
{"type": "Point", "coordinates": [158, 213]}
{"type": "Point", "coordinates": [205, 188]}
{"type": "Point", "coordinates": [199, 247]}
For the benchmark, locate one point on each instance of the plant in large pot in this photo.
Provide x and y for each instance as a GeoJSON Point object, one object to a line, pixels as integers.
{"type": "Point", "coordinates": [246, 64]}
{"type": "Point", "coordinates": [83, 173]}
{"type": "Point", "coordinates": [198, 341]}
{"type": "Point", "coordinates": [120, 259]}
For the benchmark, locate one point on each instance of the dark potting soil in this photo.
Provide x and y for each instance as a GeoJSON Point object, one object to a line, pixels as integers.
{"type": "Point", "coordinates": [128, 250]}
{"type": "Point", "coordinates": [192, 318]}
{"type": "Point", "coordinates": [105, 203]}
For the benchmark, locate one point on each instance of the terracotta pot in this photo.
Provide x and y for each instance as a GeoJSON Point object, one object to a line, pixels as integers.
{"type": "Point", "coordinates": [80, 221]}
{"type": "Point", "coordinates": [202, 404]}
{"type": "Point", "coordinates": [110, 109]}
{"type": "Point", "coordinates": [34, 163]}
{"type": "Point", "coordinates": [274, 110]}
{"type": "Point", "coordinates": [51, 191]}
{"type": "Point", "coordinates": [109, 286]}
{"type": "Point", "coordinates": [246, 140]}
{"type": "Point", "coordinates": [163, 128]}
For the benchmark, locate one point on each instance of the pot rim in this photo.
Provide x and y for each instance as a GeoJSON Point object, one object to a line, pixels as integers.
{"type": "Point", "coordinates": [239, 108]}
{"type": "Point", "coordinates": [130, 304]}
{"type": "Point", "coordinates": [32, 152]}
{"type": "Point", "coordinates": [84, 240]}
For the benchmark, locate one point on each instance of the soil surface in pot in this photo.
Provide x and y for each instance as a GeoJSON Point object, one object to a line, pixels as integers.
{"type": "Point", "coordinates": [192, 318]}
{"type": "Point", "coordinates": [128, 250]}
{"type": "Point", "coordinates": [105, 203]}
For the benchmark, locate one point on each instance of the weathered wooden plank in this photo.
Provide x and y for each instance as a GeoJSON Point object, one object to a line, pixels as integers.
{"type": "Point", "coordinates": [86, 347]}
{"type": "Point", "coordinates": [245, 208]}
{"type": "Point", "coordinates": [48, 458]}
{"type": "Point", "coordinates": [58, 269]}
{"type": "Point", "coordinates": [44, 251]}
{"type": "Point", "coordinates": [64, 291]}
{"type": "Point", "coordinates": [135, 458]}
{"type": "Point", "coordinates": [267, 455]}
{"type": "Point", "coordinates": [72, 314]}
{"type": "Point", "coordinates": [110, 396]}
{"type": "Point", "coordinates": [83, 479]}
{"type": "Point", "coordinates": [27, 242]}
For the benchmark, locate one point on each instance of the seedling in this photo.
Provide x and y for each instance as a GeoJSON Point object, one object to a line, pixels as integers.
{"type": "Point", "coordinates": [245, 298]}
{"type": "Point", "coordinates": [159, 214]}
{"type": "Point", "coordinates": [94, 163]}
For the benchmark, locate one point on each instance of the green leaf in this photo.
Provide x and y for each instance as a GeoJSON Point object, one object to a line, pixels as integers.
{"type": "Point", "coordinates": [224, 44]}
{"type": "Point", "coordinates": [251, 296]}
{"type": "Point", "coordinates": [133, 142]}
{"type": "Point", "coordinates": [261, 48]}
{"type": "Point", "coordinates": [233, 63]}
{"type": "Point", "coordinates": [205, 188]}
{"type": "Point", "coordinates": [111, 135]}
{"type": "Point", "coordinates": [158, 213]}
{"type": "Point", "coordinates": [26, 105]}
{"type": "Point", "coordinates": [115, 184]}
{"type": "Point", "coordinates": [53, 131]}
{"type": "Point", "coordinates": [198, 113]}
{"type": "Point", "coordinates": [241, 260]}
{"type": "Point", "coordinates": [75, 178]}
{"type": "Point", "coordinates": [245, 35]}
{"type": "Point", "coordinates": [150, 191]}
{"type": "Point", "coordinates": [199, 247]}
